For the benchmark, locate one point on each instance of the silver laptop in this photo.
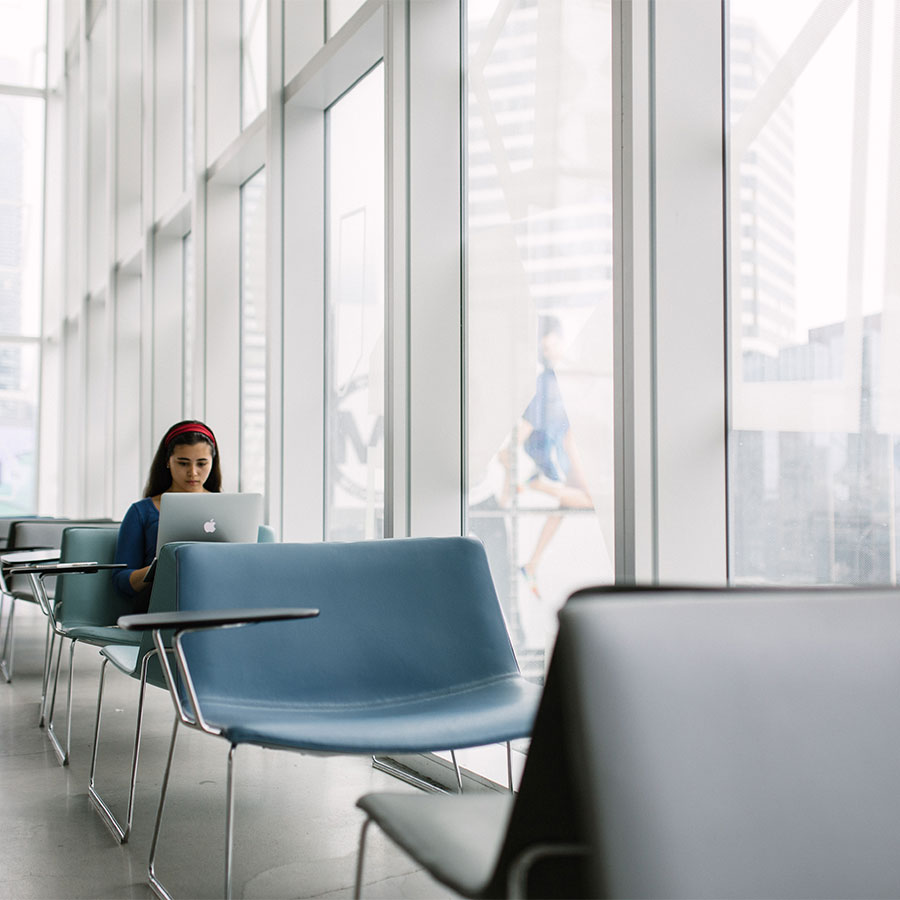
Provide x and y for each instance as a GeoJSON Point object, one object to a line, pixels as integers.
{"type": "Point", "coordinates": [229, 518]}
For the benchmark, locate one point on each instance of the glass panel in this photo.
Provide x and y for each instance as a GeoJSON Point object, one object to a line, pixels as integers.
{"type": "Point", "coordinates": [814, 210]}
{"type": "Point", "coordinates": [128, 108]}
{"type": "Point", "coordinates": [18, 427]}
{"type": "Point", "coordinates": [98, 210]}
{"type": "Point", "coordinates": [539, 305]}
{"type": "Point", "coordinates": [354, 341]}
{"type": "Point", "coordinates": [21, 212]}
{"type": "Point", "coordinates": [73, 185]}
{"type": "Point", "coordinates": [253, 60]}
{"type": "Point", "coordinates": [23, 43]}
{"type": "Point", "coordinates": [97, 377]}
{"type": "Point", "coordinates": [189, 320]}
{"type": "Point", "coordinates": [188, 102]}
{"type": "Point", "coordinates": [337, 12]}
{"type": "Point", "coordinates": [169, 96]}
{"type": "Point", "coordinates": [253, 333]}
{"type": "Point", "coordinates": [126, 456]}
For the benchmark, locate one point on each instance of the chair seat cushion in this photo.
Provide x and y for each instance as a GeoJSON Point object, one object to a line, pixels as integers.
{"type": "Point", "coordinates": [456, 838]}
{"type": "Point", "coordinates": [499, 710]}
{"type": "Point", "coordinates": [101, 635]}
{"type": "Point", "coordinates": [123, 656]}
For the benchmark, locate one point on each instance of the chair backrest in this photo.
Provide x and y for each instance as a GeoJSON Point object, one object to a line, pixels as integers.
{"type": "Point", "coordinates": [6, 523]}
{"type": "Point", "coordinates": [162, 597]}
{"type": "Point", "coordinates": [740, 743]}
{"type": "Point", "coordinates": [545, 812]}
{"type": "Point", "coordinates": [398, 617]}
{"type": "Point", "coordinates": [89, 599]}
{"type": "Point", "coordinates": [36, 533]}
{"type": "Point", "coordinates": [39, 533]}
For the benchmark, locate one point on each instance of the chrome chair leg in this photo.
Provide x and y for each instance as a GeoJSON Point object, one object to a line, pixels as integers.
{"type": "Point", "coordinates": [48, 665]}
{"type": "Point", "coordinates": [119, 832]}
{"type": "Point", "coordinates": [156, 885]}
{"type": "Point", "coordinates": [62, 754]}
{"type": "Point", "coordinates": [6, 661]}
{"type": "Point", "coordinates": [456, 769]}
{"type": "Point", "coordinates": [357, 886]}
{"type": "Point", "coordinates": [229, 822]}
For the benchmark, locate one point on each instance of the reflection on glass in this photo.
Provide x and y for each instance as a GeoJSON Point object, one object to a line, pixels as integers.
{"type": "Point", "coordinates": [253, 333]}
{"type": "Point", "coordinates": [355, 312]}
{"type": "Point", "coordinates": [18, 427]}
{"type": "Point", "coordinates": [814, 212]}
{"type": "Point", "coordinates": [253, 59]}
{"type": "Point", "coordinates": [23, 43]}
{"type": "Point", "coordinates": [539, 305]}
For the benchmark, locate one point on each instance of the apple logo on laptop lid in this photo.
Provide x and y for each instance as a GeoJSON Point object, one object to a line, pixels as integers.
{"type": "Point", "coordinates": [210, 526]}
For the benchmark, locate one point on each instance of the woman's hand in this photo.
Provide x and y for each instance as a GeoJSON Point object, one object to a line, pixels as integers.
{"type": "Point", "coordinates": [136, 579]}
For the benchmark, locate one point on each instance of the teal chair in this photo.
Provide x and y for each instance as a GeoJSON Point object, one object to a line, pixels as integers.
{"type": "Point", "coordinates": [27, 534]}
{"type": "Point", "coordinates": [83, 609]}
{"type": "Point", "coordinates": [138, 659]}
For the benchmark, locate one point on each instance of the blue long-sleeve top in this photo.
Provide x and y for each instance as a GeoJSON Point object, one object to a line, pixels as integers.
{"type": "Point", "coordinates": [136, 544]}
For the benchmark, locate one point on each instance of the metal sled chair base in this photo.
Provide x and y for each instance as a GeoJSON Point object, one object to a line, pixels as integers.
{"type": "Point", "coordinates": [119, 832]}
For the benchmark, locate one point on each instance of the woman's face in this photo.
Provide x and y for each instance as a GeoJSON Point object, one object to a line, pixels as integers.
{"type": "Point", "coordinates": [190, 465]}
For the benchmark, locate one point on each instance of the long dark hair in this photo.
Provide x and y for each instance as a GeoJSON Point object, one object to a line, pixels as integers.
{"type": "Point", "coordinates": [160, 478]}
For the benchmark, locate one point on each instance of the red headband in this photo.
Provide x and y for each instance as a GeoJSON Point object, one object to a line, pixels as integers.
{"type": "Point", "coordinates": [191, 428]}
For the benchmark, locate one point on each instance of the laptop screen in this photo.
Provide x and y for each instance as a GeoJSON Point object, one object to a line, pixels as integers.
{"type": "Point", "coordinates": [228, 518]}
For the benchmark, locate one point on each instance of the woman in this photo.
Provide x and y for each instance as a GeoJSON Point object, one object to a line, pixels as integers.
{"type": "Point", "coordinates": [186, 460]}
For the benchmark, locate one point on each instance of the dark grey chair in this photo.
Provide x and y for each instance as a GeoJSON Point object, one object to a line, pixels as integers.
{"type": "Point", "coordinates": [733, 743]}
{"type": "Point", "coordinates": [739, 743]}
{"type": "Point", "coordinates": [495, 844]}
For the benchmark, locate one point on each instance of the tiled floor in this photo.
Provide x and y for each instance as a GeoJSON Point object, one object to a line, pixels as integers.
{"type": "Point", "coordinates": [297, 827]}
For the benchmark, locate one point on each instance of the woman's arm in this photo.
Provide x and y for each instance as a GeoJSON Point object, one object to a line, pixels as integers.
{"type": "Point", "coordinates": [130, 550]}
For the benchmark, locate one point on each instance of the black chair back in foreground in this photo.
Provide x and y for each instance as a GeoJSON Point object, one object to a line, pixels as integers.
{"type": "Point", "coordinates": [739, 743]}
{"type": "Point", "coordinates": [733, 743]}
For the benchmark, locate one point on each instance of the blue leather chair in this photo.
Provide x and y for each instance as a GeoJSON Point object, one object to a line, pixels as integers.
{"type": "Point", "coordinates": [410, 653]}
{"type": "Point", "coordinates": [136, 658]}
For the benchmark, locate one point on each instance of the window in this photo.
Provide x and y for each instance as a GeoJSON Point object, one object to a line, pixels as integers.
{"type": "Point", "coordinates": [814, 292]}
{"type": "Point", "coordinates": [253, 60]}
{"type": "Point", "coordinates": [539, 308]}
{"type": "Point", "coordinates": [253, 333]}
{"type": "Point", "coordinates": [189, 300]}
{"type": "Point", "coordinates": [354, 288]}
{"type": "Point", "coordinates": [21, 190]}
{"type": "Point", "coordinates": [23, 43]}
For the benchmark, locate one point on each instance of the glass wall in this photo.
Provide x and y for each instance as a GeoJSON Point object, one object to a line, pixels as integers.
{"type": "Point", "coordinates": [253, 333]}
{"type": "Point", "coordinates": [539, 304]}
{"type": "Point", "coordinates": [814, 212]}
{"type": "Point", "coordinates": [22, 69]}
{"type": "Point", "coordinates": [253, 60]}
{"type": "Point", "coordinates": [354, 289]}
